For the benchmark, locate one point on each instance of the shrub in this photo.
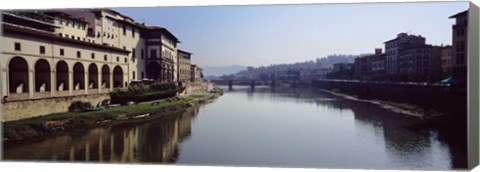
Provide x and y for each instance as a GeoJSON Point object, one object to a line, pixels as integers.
{"type": "Point", "coordinates": [144, 93]}
{"type": "Point", "coordinates": [79, 106]}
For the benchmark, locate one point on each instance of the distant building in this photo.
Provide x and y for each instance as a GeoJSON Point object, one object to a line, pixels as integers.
{"type": "Point", "coordinates": [337, 67]}
{"type": "Point", "coordinates": [184, 68]}
{"type": "Point", "coordinates": [393, 49]}
{"type": "Point", "coordinates": [447, 61]}
{"type": "Point", "coordinates": [196, 73]}
{"type": "Point", "coordinates": [459, 44]}
{"type": "Point", "coordinates": [377, 71]}
{"type": "Point", "coordinates": [359, 67]}
{"type": "Point", "coordinates": [418, 63]}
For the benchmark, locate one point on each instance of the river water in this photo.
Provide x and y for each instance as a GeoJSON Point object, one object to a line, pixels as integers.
{"type": "Point", "coordinates": [263, 127]}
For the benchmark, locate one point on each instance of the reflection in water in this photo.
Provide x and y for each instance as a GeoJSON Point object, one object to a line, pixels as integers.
{"type": "Point", "coordinates": [154, 142]}
{"type": "Point", "coordinates": [262, 126]}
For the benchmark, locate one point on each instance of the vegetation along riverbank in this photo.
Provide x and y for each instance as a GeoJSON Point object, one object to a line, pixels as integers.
{"type": "Point", "coordinates": [56, 124]}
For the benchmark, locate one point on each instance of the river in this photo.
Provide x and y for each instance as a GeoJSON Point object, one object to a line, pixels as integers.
{"type": "Point", "coordinates": [263, 127]}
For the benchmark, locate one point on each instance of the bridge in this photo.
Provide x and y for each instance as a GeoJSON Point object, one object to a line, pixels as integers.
{"type": "Point", "coordinates": [254, 82]}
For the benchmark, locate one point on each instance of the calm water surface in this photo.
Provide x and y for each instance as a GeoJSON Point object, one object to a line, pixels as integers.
{"type": "Point", "coordinates": [274, 127]}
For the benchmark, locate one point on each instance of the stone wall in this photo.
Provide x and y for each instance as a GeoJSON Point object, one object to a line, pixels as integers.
{"type": "Point", "coordinates": [452, 100]}
{"type": "Point", "coordinates": [196, 87]}
{"type": "Point", "coordinates": [16, 110]}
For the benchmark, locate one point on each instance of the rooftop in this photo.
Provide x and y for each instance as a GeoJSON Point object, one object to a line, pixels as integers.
{"type": "Point", "coordinates": [460, 14]}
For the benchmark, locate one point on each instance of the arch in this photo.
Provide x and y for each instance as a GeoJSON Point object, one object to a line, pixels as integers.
{"type": "Point", "coordinates": [117, 76]}
{"type": "Point", "coordinates": [62, 76]}
{"type": "Point", "coordinates": [153, 71]}
{"type": "Point", "coordinates": [42, 76]}
{"type": "Point", "coordinates": [92, 76]}
{"type": "Point", "coordinates": [18, 75]}
{"type": "Point", "coordinates": [105, 77]}
{"type": "Point", "coordinates": [78, 76]}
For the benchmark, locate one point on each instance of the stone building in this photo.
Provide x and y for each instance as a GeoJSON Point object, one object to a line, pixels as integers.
{"type": "Point", "coordinates": [359, 68]}
{"type": "Point", "coordinates": [184, 62]}
{"type": "Point", "coordinates": [419, 63]}
{"type": "Point", "coordinates": [337, 67]}
{"type": "Point", "coordinates": [392, 52]}
{"type": "Point", "coordinates": [161, 55]}
{"type": "Point", "coordinates": [377, 70]}
{"type": "Point", "coordinates": [459, 44]}
{"type": "Point", "coordinates": [447, 61]}
{"type": "Point", "coordinates": [196, 73]}
{"type": "Point", "coordinates": [48, 55]}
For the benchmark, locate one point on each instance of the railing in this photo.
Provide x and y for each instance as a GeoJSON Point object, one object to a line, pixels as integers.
{"type": "Point", "coordinates": [18, 96]}
{"type": "Point", "coordinates": [28, 28]}
{"type": "Point", "coordinates": [41, 94]}
{"type": "Point", "coordinates": [33, 16]}
{"type": "Point", "coordinates": [62, 93]}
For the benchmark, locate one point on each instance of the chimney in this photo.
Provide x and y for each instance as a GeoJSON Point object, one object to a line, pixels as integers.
{"type": "Point", "coordinates": [378, 51]}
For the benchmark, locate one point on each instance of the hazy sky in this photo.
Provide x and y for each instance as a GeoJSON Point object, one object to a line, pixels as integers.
{"type": "Point", "coordinates": [262, 35]}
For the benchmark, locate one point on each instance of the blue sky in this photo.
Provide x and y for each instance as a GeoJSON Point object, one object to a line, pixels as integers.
{"type": "Point", "coordinates": [263, 35]}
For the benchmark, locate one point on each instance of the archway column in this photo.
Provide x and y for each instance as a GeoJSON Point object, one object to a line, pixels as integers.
{"type": "Point", "coordinates": [85, 83]}
{"type": "Point", "coordinates": [99, 80]}
{"type": "Point", "coordinates": [6, 91]}
{"type": "Point", "coordinates": [31, 79]}
{"type": "Point", "coordinates": [111, 79]}
{"type": "Point", "coordinates": [70, 81]}
{"type": "Point", "coordinates": [53, 83]}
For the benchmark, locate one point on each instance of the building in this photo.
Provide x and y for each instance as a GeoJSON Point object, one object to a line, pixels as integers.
{"type": "Point", "coordinates": [392, 51]}
{"type": "Point", "coordinates": [39, 63]}
{"type": "Point", "coordinates": [196, 73]}
{"type": "Point", "coordinates": [184, 62]}
{"type": "Point", "coordinates": [377, 70]}
{"type": "Point", "coordinates": [337, 67]}
{"type": "Point", "coordinates": [79, 54]}
{"type": "Point", "coordinates": [415, 63]}
{"type": "Point", "coordinates": [161, 55]}
{"type": "Point", "coordinates": [447, 61]}
{"type": "Point", "coordinates": [459, 44]}
{"type": "Point", "coordinates": [359, 68]}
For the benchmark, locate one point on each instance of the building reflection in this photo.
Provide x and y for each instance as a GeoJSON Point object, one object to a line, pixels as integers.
{"type": "Point", "coordinates": [151, 142]}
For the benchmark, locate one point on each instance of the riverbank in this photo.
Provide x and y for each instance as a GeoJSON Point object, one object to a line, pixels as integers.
{"type": "Point", "coordinates": [401, 108]}
{"type": "Point", "coordinates": [56, 124]}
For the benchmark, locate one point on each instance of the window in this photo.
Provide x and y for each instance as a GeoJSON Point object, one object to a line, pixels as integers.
{"type": "Point", "coordinates": [42, 49]}
{"type": "Point", "coordinates": [142, 54]}
{"type": "Point", "coordinates": [105, 57]}
{"type": "Point", "coordinates": [126, 60]}
{"type": "Point", "coordinates": [133, 32]}
{"type": "Point", "coordinates": [60, 34]}
{"type": "Point", "coordinates": [133, 53]}
{"type": "Point", "coordinates": [73, 37]}
{"type": "Point", "coordinates": [133, 73]}
{"type": "Point", "coordinates": [143, 75]}
{"type": "Point", "coordinates": [62, 52]}
{"type": "Point", "coordinates": [153, 53]}
{"type": "Point", "coordinates": [93, 55]}
{"type": "Point", "coordinates": [124, 30]}
{"type": "Point", "coordinates": [18, 47]}
{"type": "Point", "coordinates": [118, 59]}
{"type": "Point", "coordinates": [79, 55]}
{"type": "Point", "coordinates": [124, 47]}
